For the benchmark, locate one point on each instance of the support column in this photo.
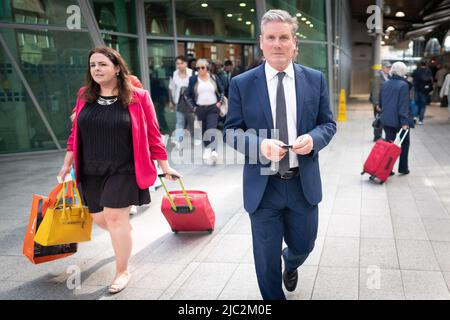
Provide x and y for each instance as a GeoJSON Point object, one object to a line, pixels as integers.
{"type": "Point", "coordinates": [91, 23]}
{"type": "Point", "coordinates": [142, 44]}
{"type": "Point", "coordinates": [376, 54]}
{"type": "Point", "coordinates": [330, 64]}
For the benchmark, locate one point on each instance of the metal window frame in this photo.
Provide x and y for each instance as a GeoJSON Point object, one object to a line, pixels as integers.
{"type": "Point", "coordinates": [39, 27]}
{"type": "Point", "coordinates": [92, 25]}
{"type": "Point", "coordinates": [142, 44]}
{"type": "Point", "coordinates": [175, 31]}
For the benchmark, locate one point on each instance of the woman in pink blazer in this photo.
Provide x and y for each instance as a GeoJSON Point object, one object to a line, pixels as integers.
{"type": "Point", "coordinates": [114, 141]}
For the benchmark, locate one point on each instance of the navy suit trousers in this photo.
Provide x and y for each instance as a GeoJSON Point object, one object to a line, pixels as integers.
{"type": "Point", "coordinates": [285, 214]}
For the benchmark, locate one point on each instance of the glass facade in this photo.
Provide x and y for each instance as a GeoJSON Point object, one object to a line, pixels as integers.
{"type": "Point", "coordinates": [43, 12]}
{"type": "Point", "coordinates": [128, 48]}
{"type": "Point", "coordinates": [222, 19]}
{"type": "Point", "coordinates": [49, 40]}
{"type": "Point", "coordinates": [158, 17]}
{"type": "Point", "coordinates": [342, 48]}
{"type": "Point", "coordinates": [161, 57]}
{"type": "Point", "coordinates": [311, 17]}
{"type": "Point", "coordinates": [313, 56]}
{"type": "Point", "coordinates": [115, 15]}
{"type": "Point", "coordinates": [54, 66]}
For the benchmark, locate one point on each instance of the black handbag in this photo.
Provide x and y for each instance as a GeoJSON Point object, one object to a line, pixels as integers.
{"type": "Point", "coordinates": [376, 124]}
{"type": "Point", "coordinates": [184, 105]}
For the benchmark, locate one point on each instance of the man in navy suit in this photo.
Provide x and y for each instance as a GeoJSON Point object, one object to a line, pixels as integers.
{"type": "Point", "coordinates": [279, 117]}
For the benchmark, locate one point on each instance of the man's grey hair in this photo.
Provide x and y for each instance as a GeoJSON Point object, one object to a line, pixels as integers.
{"type": "Point", "coordinates": [399, 69]}
{"type": "Point", "coordinates": [279, 16]}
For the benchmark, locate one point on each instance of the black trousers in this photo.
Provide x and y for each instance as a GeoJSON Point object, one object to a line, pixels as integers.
{"type": "Point", "coordinates": [391, 132]}
{"type": "Point", "coordinates": [209, 116]}
{"type": "Point", "coordinates": [377, 132]}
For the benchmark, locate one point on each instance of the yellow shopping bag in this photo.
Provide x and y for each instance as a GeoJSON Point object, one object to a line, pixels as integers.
{"type": "Point", "coordinates": [66, 223]}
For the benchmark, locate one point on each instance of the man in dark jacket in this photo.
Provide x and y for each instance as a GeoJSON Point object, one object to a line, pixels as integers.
{"type": "Point", "coordinates": [382, 77]}
{"type": "Point", "coordinates": [423, 85]}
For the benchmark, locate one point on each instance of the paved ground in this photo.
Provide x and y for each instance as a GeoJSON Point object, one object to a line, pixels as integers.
{"type": "Point", "coordinates": [375, 242]}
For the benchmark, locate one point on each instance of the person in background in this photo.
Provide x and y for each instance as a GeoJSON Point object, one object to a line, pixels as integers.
{"type": "Point", "coordinates": [114, 140]}
{"type": "Point", "coordinates": [395, 110]}
{"type": "Point", "coordinates": [228, 74]}
{"type": "Point", "coordinates": [445, 91]}
{"type": "Point", "coordinates": [423, 85]}
{"type": "Point", "coordinates": [223, 77]}
{"type": "Point", "coordinates": [440, 76]}
{"type": "Point", "coordinates": [382, 76]}
{"type": "Point", "coordinates": [192, 63]}
{"type": "Point", "coordinates": [205, 93]}
{"type": "Point", "coordinates": [178, 81]}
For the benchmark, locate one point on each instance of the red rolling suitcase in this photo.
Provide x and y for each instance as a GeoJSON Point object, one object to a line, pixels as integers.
{"type": "Point", "coordinates": [187, 210]}
{"type": "Point", "coordinates": [382, 158]}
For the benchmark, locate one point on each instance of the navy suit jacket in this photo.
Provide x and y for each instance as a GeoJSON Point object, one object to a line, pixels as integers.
{"type": "Point", "coordinates": [249, 108]}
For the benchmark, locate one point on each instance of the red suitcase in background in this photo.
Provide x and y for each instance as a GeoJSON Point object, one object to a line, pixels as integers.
{"type": "Point", "coordinates": [187, 210]}
{"type": "Point", "coordinates": [382, 158]}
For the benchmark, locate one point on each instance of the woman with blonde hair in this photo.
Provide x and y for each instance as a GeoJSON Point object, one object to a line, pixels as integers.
{"type": "Point", "coordinates": [205, 92]}
{"type": "Point", "coordinates": [115, 138]}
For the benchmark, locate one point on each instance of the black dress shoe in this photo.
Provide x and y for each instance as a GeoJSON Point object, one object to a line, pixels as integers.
{"type": "Point", "coordinates": [404, 172]}
{"type": "Point", "coordinates": [290, 279]}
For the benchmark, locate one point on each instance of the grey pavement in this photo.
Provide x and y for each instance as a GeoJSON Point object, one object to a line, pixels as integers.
{"type": "Point", "coordinates": [389, 241]}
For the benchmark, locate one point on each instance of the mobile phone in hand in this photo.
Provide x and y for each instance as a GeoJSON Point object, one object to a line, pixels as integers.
{"type": "Point", "coordinates": [287, 146]}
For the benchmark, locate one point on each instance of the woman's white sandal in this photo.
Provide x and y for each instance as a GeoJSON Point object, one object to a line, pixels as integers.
{"type": "Point", "coordinates": [118, 286]}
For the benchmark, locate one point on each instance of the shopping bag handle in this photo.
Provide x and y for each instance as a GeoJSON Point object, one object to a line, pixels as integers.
{"type": "Point", "coordinates": [62, 194]}
{"type": "Point", "coordinates": [172, 203]}
{"type": "Point", "coordinates": [54, 194]}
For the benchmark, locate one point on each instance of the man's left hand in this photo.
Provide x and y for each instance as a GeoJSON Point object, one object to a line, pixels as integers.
{"type": "Point", "coordinates": [303, 145]}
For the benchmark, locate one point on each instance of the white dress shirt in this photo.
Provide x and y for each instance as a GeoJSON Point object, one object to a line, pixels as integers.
{"type": "Point", "coordinates": [291, 103]}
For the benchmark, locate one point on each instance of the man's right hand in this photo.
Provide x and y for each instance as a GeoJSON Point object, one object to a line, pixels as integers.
{"type": "Point", "coordinates": [272, 150]}
{"type": "Point", "coordinates": [171, 106]}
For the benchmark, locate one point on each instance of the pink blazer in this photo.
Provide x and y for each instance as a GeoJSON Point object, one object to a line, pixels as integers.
{"type": "Point", "coordinates": [147, 141]}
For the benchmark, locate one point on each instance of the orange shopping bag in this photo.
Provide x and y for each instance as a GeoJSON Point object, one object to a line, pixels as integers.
{"type": "Point", "coordinates": [35, 252]}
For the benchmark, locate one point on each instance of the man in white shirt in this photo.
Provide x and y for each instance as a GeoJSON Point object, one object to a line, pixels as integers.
{"type": "Point", "coordinates": [179, 80]}
{"type": "Point", "coordinates": [282, 186]}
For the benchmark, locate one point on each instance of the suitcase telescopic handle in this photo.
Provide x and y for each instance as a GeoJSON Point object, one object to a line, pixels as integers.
{"type": "Point", "coordinates": [172, 203]}
{"type": "Point", "coordinates": [399, 138]}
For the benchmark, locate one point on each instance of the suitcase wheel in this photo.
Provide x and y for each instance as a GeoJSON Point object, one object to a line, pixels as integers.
{"type": "Point", "coordinates": [372, 178]}
{"type": "Point", "coordinates": [210, 231]}
{"type": "Point", "coordinates": [175, 231]}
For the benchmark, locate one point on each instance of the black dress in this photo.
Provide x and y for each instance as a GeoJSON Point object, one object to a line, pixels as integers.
{"type": "Point", "coordinates": [107, 174]}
